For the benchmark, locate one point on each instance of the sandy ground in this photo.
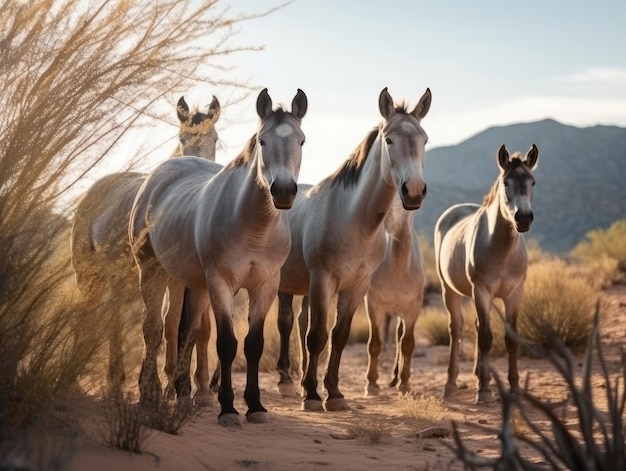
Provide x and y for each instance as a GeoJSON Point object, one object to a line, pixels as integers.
{"type": "Point", "coordinates": [297, 440]}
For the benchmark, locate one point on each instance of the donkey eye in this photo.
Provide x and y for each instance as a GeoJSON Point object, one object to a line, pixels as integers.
{"type": "Point", "coordinates": [261, 142]}
{"type": "Point", "coordinates": [388, 141]}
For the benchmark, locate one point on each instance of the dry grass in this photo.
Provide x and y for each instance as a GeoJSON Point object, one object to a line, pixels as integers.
{"type": "Point", "coordinates": [558, 306]}
{"type": "Point", "coordinates": [603, 243]}
{"type": "Point", "coordinates": [433, 325]}
{"type": "Point", "coordinates": [372, 430]}
{"type": "Point", "coordinates": [426, 411]}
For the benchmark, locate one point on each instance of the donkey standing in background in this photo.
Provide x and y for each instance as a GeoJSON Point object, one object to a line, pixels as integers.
{"type": "Point", "coordinates": [101, 255]}
{"type": "Point", "coordinates": [480, 253]}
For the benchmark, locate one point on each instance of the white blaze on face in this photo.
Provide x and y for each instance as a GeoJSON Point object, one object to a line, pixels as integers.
{"type": "Point", "coordinates": [284, 130]}
{"type": "Point", "coordinates": [408, 127]}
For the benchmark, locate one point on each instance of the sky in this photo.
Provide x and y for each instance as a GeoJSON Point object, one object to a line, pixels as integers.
{"type": "Point", "coordinates": [487, 63]}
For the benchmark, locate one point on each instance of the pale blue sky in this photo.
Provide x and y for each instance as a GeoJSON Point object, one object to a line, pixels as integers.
{"type": "Point", "coordinates": [486, 62]}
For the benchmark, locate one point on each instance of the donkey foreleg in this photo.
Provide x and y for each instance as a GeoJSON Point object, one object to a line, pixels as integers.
{"type": "Point", "coordinates": [452, 303]}
{"type": "Point", "coordinates": [348, 303]}
{"type": "Point", "coordinates": [320, 296]}
{"type": "Point", "coordinates": [483, 300]}
{"type": "Point", "coordinates": [260, 302]}
{"type": "Point", "coordinates": [222, 303]}
{"type": "Point", "coordinates": [511, 306]}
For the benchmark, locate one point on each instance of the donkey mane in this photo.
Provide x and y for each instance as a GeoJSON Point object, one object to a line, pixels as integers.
{"type": "Point", "coordinates": [349, 172]}
{"type": "Point", "coordinates": [515, 161]}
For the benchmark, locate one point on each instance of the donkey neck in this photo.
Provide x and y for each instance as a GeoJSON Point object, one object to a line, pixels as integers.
{"type": "Point", "coordinates": [374, 191]}
{"type": "Point", "coordinates": [503, 234]}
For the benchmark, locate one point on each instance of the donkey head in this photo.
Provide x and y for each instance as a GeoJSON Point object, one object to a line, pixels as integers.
{"type": "Point", "coordinates": [516, 175]}
{"type": "Point", "coordinates": [280, 141]}
{"type": "Point", "coordinates": [404, 141]}
{"type": "Point", "coordinates": [197, 133]}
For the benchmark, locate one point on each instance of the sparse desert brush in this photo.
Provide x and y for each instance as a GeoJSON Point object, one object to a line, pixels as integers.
{"type": "Point", "coordinates": [432, 324]}
{"type": "Point", "coordinates": [601, 272]}
{"type": "Point", "coordinates": [123, 427]}
{"type": "Point", "coordinates": [426, 411]}
{"type": "Point", "coordinates": [599, 243]}
{"type": "Point", "coordinates": [372, 430]}
{"type": "Point", "coordinates": [598, 441]}
{"type": "Point", "coordinates": [558, 306]}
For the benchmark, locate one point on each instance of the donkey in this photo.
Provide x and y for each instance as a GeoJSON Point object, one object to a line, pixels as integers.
{"type": "Point", "coordinates": [480, 253]}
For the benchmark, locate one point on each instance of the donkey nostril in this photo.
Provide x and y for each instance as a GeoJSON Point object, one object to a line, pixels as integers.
{"type": "Point", "coordinates": [404, 189]}
{"type": "Point", "coordinates": [527, 217]}
{"type": "Point", "coordinates": [424, 190]}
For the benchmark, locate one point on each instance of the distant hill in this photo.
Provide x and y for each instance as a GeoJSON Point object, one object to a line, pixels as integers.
{"type": "Point", "coordinates": [580, 180]}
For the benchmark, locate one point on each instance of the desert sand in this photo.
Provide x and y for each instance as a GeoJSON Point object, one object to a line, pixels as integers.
{"type": "Point", "coordinates": [296, 440]}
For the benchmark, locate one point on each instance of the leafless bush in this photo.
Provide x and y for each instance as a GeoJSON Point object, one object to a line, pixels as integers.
{"type": "Point", "coordinates": [74, 78]}
{"type": "Point", "coordinates": [597, 444]}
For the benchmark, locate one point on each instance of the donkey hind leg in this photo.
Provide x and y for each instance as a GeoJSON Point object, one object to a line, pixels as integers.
{"type": "Point", "coordinates": [452, 303]}
{"type": "Point", "coordinates": [377, 322]}
{"type": "Point", "coordinates": [405, 347]}
{"type": "Point", "coordinates": [171, 312]}
{"type": "Point", "coordinates": [285, 385]}
{"type": "Point", "coordinates": [153, 284]}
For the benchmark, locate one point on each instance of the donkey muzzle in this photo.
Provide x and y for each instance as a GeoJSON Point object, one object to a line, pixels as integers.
{"type": "Point", "coordinates": [412, 201]}
{"type": "Point", "coordinates": [523, 220]}
{"type": "Point", "coordinates": [283, 194]}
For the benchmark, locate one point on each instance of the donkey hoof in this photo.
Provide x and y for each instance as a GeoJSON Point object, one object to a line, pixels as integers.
{"type": "Point", "coordinates": [229, 420]}
{"type": "Point", "coordinates": [203, 399]}
{"type": "Point", "coordinates": [450, 390]}
{"type": "Point", "coordinates": [287, 389]}
{"type": "Point", "coordinates": [485, 397]}
{"type": "Point", "coordinates": [258, 417]}
{"type": "Point", "coordinates": [312, 405]}
{"type": "Point", "coordinates": [337, 404]}
{"type": "Point", "coordinates": [371, 390]}
{"type": "Point", "coordinates": [404, 389]}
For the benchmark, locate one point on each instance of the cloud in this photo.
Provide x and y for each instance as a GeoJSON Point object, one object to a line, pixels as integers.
{"type": "Point", "coordinates": [596, 76]}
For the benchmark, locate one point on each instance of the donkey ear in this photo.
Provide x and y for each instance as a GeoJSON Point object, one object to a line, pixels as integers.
{"type": "Point", "coordinates": [264, 104]}
{"type": "Point", "coordinates": [503, 157]}
{"type": "Point", "coordinates": [299, 104]}
{"type": "Point", "coordinates": [214, 110]}
{"type": "Point", "coordinates": [532, 156]}
{"type": "Point", "coordinates": [182, 110]}
{"type": "Point", "coordinates": [385, 104]}
{"type": "Point", "coordinates": [422, 107]}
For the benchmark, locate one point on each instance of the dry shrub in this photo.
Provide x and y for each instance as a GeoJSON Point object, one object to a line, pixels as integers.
{"type": "Point", "coordinates": [372, 430]}
{"type": "Point", "coordinates": [433, 325]}
{"type": "Point", "coordinates": [598, 443]}
{"type": "Point", "coordinates": [557, 307]}
{"type": "Point", "coordinates": [426, 411]}
{"type": "Point", "coordinates": [600, 243]}
{"type": "Point", "coordinates": [123, 426]}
